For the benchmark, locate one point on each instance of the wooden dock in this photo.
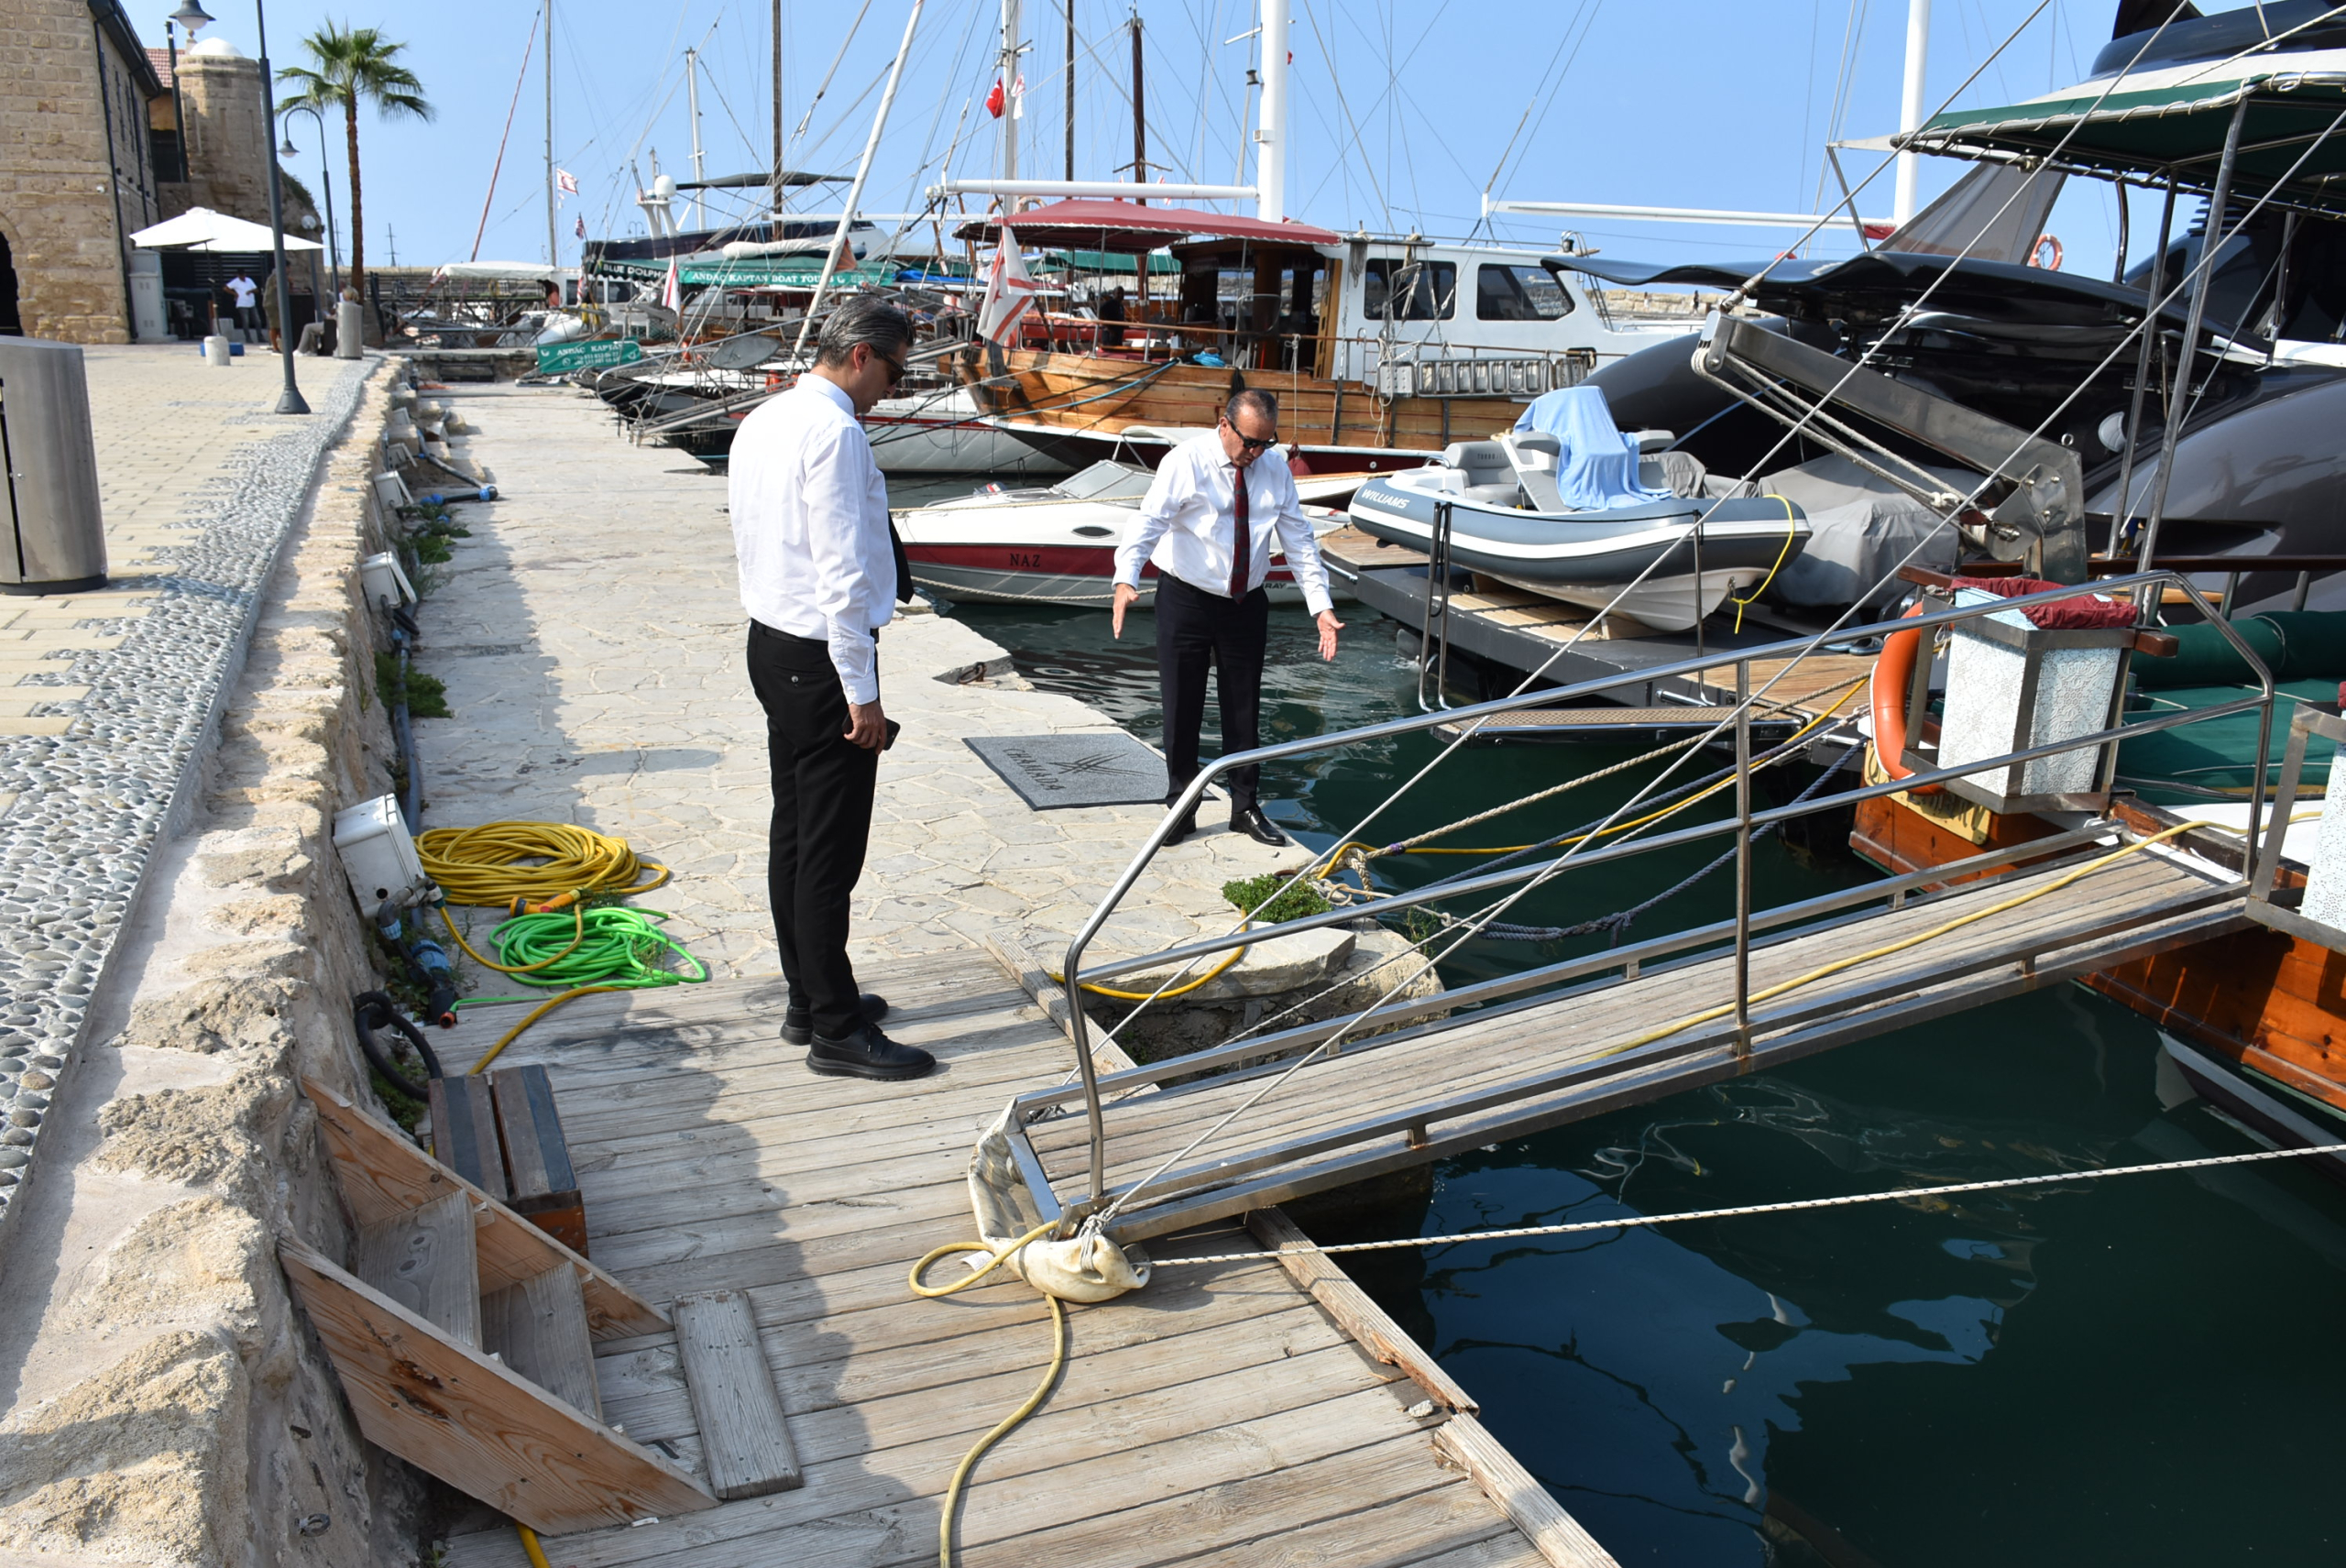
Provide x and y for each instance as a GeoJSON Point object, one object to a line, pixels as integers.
{"type": "Point", "coordinates": [1523, 631]}
{"type": "Point", "coordinates": [1226, 1414]}
{"type": "Point", "coordinates": [1522, 1064]}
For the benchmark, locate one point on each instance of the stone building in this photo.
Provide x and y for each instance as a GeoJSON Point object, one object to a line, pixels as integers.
{"type": "Point", "coordinates": [78, 172]}
{"type": "Point", "coordinates": [100, 141]}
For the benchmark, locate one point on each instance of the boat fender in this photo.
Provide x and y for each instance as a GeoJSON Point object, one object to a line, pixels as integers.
{"type": "Point", "coordinates": [1894, 673]}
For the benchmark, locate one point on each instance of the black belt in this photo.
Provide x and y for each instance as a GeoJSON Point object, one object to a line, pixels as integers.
{"type": "Point", "coordinates": [760, 629]}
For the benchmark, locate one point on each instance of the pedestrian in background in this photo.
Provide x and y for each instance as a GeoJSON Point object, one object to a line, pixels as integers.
{"type": "Point", "coordinates": [1207, 524]}
{"type": "Point", "coordinates": [243, 295]}
{"type": "Point", "coordinates": [820, 575]}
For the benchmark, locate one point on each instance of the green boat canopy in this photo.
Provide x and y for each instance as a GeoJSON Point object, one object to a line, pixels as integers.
{"type": "Point", "coordinates": [1107, 261]}
{"type": "Point", "coordinates": [2178, 128]}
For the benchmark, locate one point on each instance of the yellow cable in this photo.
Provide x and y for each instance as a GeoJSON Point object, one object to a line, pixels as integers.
{"type": "Point", "coordinates": [1769, 994]}
{"type": "Point", "coordinates": [1791, 531]}
{"type": "Point", "coordinates": [530, 1546]}
{"type": "Point", "coordinates": [1034, 1401]}
{"type": "Point", "coordinates": [1182, 990]}
{"type": "Point", "coordinates": [485, 865]}
{"type": "Point", "coordinates": [1618, 827]}
{"type": "Point", "coordinates": [578, 907]}
{"type": "Point", "coordinates": [539, 1011]}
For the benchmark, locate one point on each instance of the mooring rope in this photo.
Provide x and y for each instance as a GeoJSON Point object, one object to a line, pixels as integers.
{"type": "Point", "coordinates": [1641, 1222]}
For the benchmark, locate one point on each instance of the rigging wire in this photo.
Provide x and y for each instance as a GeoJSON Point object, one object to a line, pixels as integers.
{"type": "Point", "coordinates": [1917, 1195]}
{"type": "Point", "coordinates": [1555, 867]}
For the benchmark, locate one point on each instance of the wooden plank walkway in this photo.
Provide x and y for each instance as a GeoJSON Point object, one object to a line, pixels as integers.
{"type": "Point", "coordinates": [1219, 1416]}
{"type": "Point", "coordinates": [1446, 1087]}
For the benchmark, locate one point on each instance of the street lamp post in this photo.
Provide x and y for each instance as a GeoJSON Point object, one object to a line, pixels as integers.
{"type": "Point", "coordinates": [192, 15]}
{"type": "Point", "coordinates": [325, 183]}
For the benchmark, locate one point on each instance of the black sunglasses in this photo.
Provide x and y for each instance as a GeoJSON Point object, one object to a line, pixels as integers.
{"type": "Point", "coordinates": [1251, 444]}
{"type": "Point", "coordinates": [896, 367]}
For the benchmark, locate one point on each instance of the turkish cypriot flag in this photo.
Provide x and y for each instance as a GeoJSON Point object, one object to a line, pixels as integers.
{"type": "Point", "coordinates": [1009, 291]}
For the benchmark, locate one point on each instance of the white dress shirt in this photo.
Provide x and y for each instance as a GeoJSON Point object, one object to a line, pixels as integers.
{"type": "Point", "coordinates": [810, 528]}
{"type": "Point", "coordinates": [1187, 525]}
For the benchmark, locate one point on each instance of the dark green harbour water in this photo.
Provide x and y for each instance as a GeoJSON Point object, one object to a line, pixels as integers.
{"type": "Point", "coordinates": [2126, 1371]}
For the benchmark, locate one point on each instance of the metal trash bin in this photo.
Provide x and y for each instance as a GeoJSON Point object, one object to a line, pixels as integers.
{"type": "Point", "coordinates": [56, 542]}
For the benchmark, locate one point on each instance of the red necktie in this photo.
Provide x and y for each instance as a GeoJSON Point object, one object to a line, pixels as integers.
{"type": "Point", "coordinates": [1241, 555]}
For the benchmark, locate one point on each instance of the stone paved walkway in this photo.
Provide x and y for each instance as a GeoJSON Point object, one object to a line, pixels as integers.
{"type": "Point", "coordinates": [592, 641]}
{"type": "Point", "coordinates": [107, 698]}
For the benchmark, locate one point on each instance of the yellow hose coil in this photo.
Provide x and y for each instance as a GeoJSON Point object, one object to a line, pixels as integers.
{"type": "Point", "coordinates": [486, 865]}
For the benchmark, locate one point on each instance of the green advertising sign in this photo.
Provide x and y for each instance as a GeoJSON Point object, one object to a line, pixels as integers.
{"type": "Point", "coordinates": [595, 354]}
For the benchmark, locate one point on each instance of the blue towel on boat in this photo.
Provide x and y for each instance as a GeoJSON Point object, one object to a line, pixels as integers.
{"type": "Point", "coordinates": [1599, 468]}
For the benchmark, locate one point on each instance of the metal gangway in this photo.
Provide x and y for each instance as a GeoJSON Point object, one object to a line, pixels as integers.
{"type": "Point", "coordinates": [1162, 1147]}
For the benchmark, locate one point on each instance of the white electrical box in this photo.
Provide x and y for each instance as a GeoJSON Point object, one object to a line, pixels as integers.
{"type": "Point", "coordinates": [382, 581]}
{"type": "Point", "coordinates": [378, 856]}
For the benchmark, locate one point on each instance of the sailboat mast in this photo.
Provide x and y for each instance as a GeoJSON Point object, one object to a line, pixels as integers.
{"type": "Point", "coordinates": [1069, 8]}
{"type": "Point", "coordinates": [554, 255]}
{"type": "Point", "coordinates": [1140, 125]}
{"type": "Point", "coordinates": [774, 191]}
{"type": "Point", "coordinates": [692, 102]}
{"type": "Point", "coordinates": [1010, 89]}
{"type": "Point", "coordinates": [1271, 139]}
{"type": "Point", "coordinates": [838, 250]}
{"type": "Point", "coordinates": [1910, 114]}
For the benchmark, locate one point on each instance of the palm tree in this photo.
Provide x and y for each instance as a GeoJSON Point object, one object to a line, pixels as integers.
{"type": "Point", "coordinates": [354, 65]}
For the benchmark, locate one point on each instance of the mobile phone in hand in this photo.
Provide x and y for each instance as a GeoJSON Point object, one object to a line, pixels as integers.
{"type": "Point", "coordinates": [894, 730]}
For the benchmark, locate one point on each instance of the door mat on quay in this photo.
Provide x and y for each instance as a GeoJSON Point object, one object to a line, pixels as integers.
{"type": "Point", "coordinates": [1050, 771]}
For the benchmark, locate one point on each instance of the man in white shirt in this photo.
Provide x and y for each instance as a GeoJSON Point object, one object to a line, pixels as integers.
{"type": "Point", "coordinates": [246, 293]}
{"type": "Point", "coordinates": [1207, 525]}
{"type": "Point", "coordinates": [819, 577]}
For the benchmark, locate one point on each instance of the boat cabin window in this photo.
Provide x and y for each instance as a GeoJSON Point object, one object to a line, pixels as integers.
{"type": "Point", "coordinates": [1105, 480]}
{"type": "Point", "coordinates": [1416, 290]}
{"type": "Point", "coordinates": [1505, 293]}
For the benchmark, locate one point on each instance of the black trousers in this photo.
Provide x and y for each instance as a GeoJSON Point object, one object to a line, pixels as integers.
{"type": "Point", "coordinates": [823, 788]}
{"type": "Point", "coordinates": [1197, 631]}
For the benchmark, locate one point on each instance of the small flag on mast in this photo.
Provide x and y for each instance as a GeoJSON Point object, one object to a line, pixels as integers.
{"type": "Point", "coordinates": [566, 181]}
{"type": "Point", "coordinates": [1009, 291]}
{"type": "Point", "coordinates": [672, 290]}
{"type": "Point", "coordinates": [581, 225]}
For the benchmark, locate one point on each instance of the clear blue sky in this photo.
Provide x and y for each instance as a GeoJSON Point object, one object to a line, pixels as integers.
{"type": "Point", "coordinates": [1403, 112]}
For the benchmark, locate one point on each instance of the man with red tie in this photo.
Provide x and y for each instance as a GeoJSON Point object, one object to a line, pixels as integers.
{"type": "Point", "coordinates": [1207, 525]}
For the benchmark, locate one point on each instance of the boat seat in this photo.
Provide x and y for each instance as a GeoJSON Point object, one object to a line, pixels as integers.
{"type": "Point", "coordinates": [1680, 473]}
{"type": "Point", "coordinates": [1535, 458]}
{"type": "Point", "coordinates": [1481, 471]}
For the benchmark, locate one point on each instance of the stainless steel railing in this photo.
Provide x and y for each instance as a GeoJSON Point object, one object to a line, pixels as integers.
{"type": "Point", "coordinates": [1743, 825]}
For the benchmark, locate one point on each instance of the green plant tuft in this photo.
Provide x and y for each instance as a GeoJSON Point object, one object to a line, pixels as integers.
{"type": "Point", "coordinates": [426, 695]}
{"type": "Point", "coordinates": [1294, 899]}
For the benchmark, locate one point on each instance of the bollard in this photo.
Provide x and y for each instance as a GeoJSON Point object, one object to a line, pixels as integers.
{"type": "Point", "coordinates": [216, 350]}
{"type": "Point", "coordinates": [349, 330]}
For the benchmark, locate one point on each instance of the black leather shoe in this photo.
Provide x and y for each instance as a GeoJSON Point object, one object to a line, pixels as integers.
{"type": "Point", "coordinates": [798, 1024]}
{"type": "Point", "coordinates": [1257, 827]}
{"type": "Point", "coordinates": [868, 1053]}
{"type": "Point", "coordinates": [1183, 829]}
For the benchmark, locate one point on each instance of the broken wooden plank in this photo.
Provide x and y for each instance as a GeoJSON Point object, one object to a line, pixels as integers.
{"type": "Point", "coordinates": [743, 1437]}
{"type": "Point", "coordinates": [478, 1425]}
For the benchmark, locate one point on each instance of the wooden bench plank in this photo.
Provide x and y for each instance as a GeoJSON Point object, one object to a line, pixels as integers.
{"type": "Point", "coordinates": [540, 1328]}
{"type": "Point", "coordinates": [423, 1260]}
{"type": "Point", "coordinates": [743, 1437]}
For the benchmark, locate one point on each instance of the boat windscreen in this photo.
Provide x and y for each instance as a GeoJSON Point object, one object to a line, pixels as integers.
{"type": "Point", "coordinates": [1105, 480]}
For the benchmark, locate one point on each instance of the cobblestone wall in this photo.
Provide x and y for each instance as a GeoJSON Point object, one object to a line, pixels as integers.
{"type": "Point", "coordinates": [202, 1424]}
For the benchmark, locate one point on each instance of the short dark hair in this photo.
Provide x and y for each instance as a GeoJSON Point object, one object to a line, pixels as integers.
{"type": "Point", "coordinates": [871, 319]}
{"type": "Point", "coordinates": [1251, 400]}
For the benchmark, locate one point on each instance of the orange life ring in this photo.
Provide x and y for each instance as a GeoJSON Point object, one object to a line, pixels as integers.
{"type": "Point", "coordinates": [1893, 672]}
{"type": "Point", "coordinates": [2038, 249]}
